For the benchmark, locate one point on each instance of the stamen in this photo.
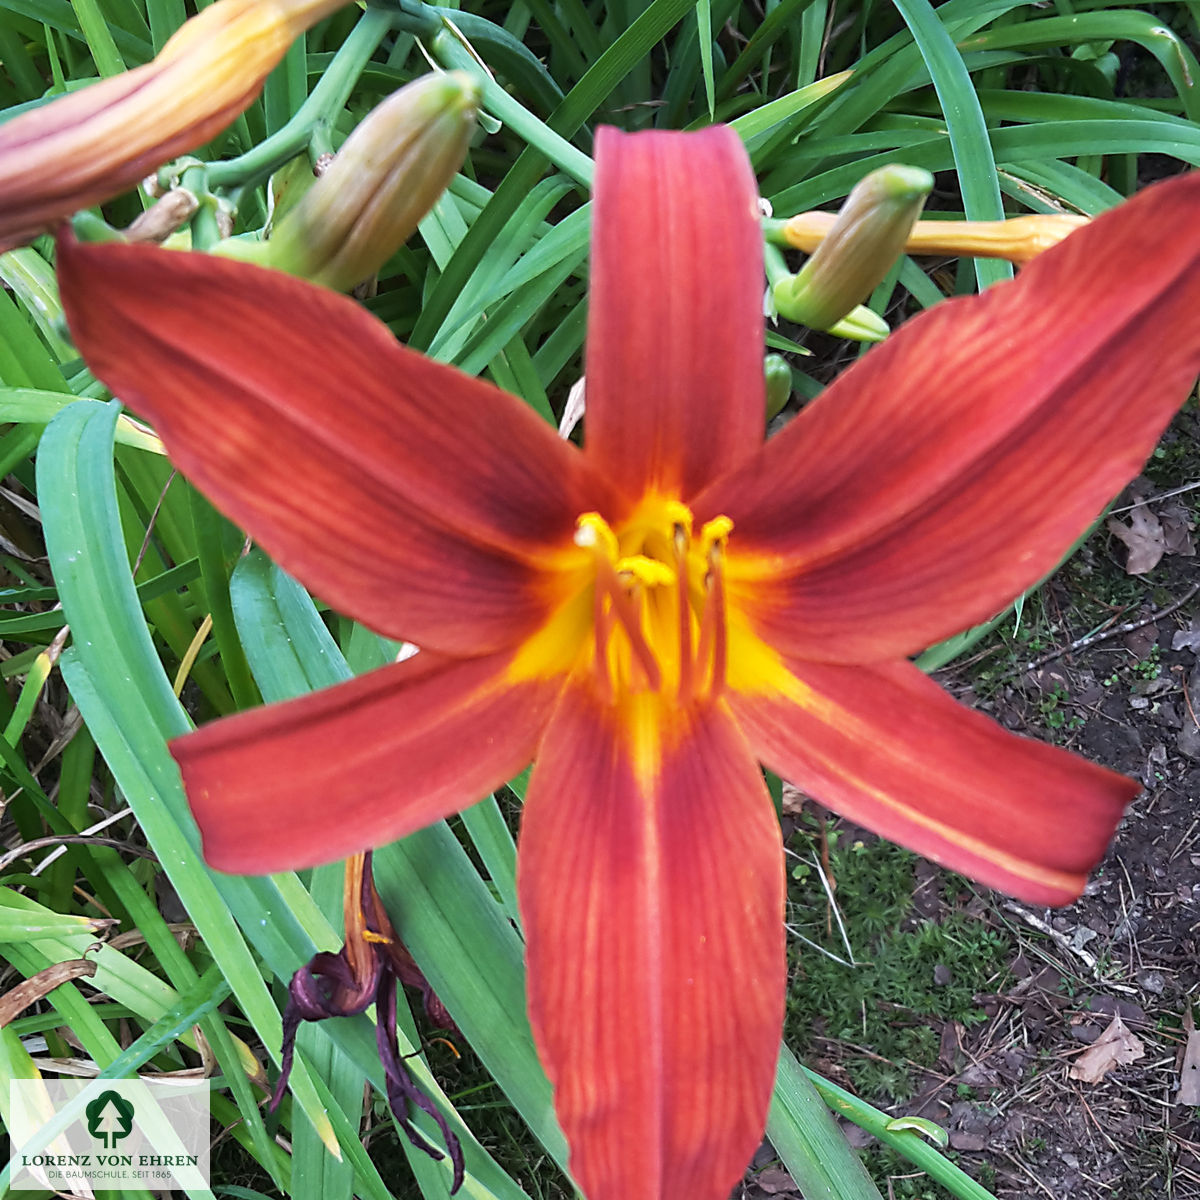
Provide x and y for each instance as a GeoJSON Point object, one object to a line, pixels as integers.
{"type": "Point", "coordinates": [714, 533]}
{"type": "Point", "coordinates": [686, 674]}
{"type": "Point", "coordinates": [602, 626]}
{"type": "Point", "coordinates": [648, 571]}
{"type": "Point", "coordinates": [679, 516]}
{"type": "Point", "coordinates": [712, 648]}
{"type": "Point", "coordinates": [592, 530]}
{"type": "Point", "coordinates": [623, 608]}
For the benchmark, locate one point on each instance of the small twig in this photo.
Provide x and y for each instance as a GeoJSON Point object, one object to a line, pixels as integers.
{"type": "Point", "coordinates": [833, 908]}
{"type": "Point", "coordinates": [137, 562]}
{"type": "Point", "coordinates": [1060, 939]}
{"type": "Point", "coordinates": [1179, 491]}
{"type": "Point", "coordinates": [1104, 634]}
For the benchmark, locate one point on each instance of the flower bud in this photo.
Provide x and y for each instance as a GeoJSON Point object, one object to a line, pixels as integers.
{"type": "Point", "coordinates": [779, 383]}
{"type": "Point", "coordinates": [386, 177]}
{"type": "Point", "coordinates": [95, 143]}
{"type": "Point", "coordinates": [1017, 239]}
{"type": "Point", "coordinates": [858, 250]}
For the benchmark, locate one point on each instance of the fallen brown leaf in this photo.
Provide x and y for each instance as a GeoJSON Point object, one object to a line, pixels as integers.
{"type": "Point", "coordinates": [1143, 538]}
{"type": "Point", "coordinates": [1177, 525]}
{"type": "Point", "coordinates": [16, 1000]}
{"type": "Point", "coordinates": [1115, 1047]}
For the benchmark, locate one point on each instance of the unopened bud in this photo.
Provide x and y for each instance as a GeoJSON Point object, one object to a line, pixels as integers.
{"type": "Point", "coordinates": [386, 177]}
{"type": "Point", "coordinates": [1018, 239]}
{"type": "Point", "coordinates": [861, 324]}
{"type": "Point", "coordinates": [779, 383]}
{"type": "Point", "coordinates": [858, 250]}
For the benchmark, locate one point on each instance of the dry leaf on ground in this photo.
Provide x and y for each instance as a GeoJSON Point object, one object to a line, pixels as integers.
{"type": "Point", "coordinates": [1143, 538]}
{"type": "Point", "coordinates": [1115, 1047]}
{"type": "Point", "coordinates": [1189, 1069]}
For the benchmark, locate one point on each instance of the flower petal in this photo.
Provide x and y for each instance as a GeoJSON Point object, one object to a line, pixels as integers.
{"type": "Point", "coordinates": [675, 390]}
{"type": "Point", "coordinates": [886, 747]}
{"type": "Point", "coordinates": [956, 464]}
{"type": "Point", "coordinates": [651, 888]}
{"type": "Point", "coordinates": [426, 504]}
{"type": "Point", "coordinates": [360, 764]}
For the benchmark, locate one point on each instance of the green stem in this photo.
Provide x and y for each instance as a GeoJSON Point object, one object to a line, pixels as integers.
{"type": "Point", "coordinates": [329, 96]}
{"type": "Point", "coordinates": [451, 52]}
{"type": "Point", "coordinates": [205, 231]}
{"type": "Point", "coordinates": [773, 231]}
{"type": "Point", "coordinates": [775, 264]}
{"type": "Point", "coordinates": [905, 1141]}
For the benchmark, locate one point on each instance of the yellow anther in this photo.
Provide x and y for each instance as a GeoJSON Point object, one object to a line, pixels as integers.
{"type": "Point", "coordinates": [369, 935]}
{"type": "Point", "coordinates": [678, 515]}
{"type": "Point", "coordinates": [592, 530]}
{"type": "Point", "coordinates": [645, 570]}
{"type": "Point", "coordinates": [713, 533]}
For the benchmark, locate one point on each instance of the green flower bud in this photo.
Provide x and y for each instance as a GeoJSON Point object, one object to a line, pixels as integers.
{"type": "Point", "coordinates": [859, 249]}
{"type": "Point", "coordinates": [861, 324]}
{"type": "Point", "coordinates": [386, 177]}
{"type": "Point", "coordinates": [779, 383]}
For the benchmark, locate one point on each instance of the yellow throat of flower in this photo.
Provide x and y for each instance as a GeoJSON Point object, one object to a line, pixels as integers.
{"type": "Point", "coordinates": [647, 611]}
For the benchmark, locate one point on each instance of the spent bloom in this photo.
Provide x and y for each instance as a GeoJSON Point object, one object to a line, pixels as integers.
{"type": "Point", "coordinates": [95, 143]}
{"type": "Point", "coordinates": [364, 972]}
{"type": "Point", "coordinates": [651, 616]}
{"type": "Point", "coordinates": [1018, 239]}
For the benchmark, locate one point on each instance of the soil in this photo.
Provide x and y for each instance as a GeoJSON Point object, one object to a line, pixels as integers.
{"type": "Point", "coordinates": [1128, 698]}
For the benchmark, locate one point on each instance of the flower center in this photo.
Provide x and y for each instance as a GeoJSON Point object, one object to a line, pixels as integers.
{"type": "Point", "coordinates": [658, 602]}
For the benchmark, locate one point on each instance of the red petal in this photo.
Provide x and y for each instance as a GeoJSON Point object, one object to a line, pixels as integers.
{"type": "Point", "coordinates": [956, 464]}
{"type": "Point", "coordinates": [675, 390]}
{"type": "Point", "coordinates": [886, 747]}
{"type": "Point", "coordinates": [651, 887]}
{"type": "Point", "coordinates": [429, 505]}
{"type": "Point", "coordinates": [358, 765]}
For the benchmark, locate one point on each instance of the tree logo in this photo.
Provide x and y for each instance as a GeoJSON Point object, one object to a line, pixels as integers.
{"type": "Point", "coordinates": [109, 1118]}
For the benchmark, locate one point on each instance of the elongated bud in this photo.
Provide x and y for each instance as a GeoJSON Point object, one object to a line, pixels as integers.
{"type": "Point", "coordinates": [858, 250]}
{"type": "Point", "coordinates": [95, 143]}
{"type": "Point", "coordinates": [1018, 239]}
{"type": "Point", "coordinates": [779, 383]}
{"type": "Point", "coordinates": [386, 177]}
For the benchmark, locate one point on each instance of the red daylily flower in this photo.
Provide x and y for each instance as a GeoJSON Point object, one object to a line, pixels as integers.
{"type": "Point", "coordinates": [650, 617]}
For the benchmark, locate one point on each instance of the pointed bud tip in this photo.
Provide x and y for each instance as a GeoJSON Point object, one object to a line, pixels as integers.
{"type": "Point", "coordinates": [899, 184]}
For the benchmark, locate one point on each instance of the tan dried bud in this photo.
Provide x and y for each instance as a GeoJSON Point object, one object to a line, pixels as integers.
{"type": "Point", "coordinates": [164, 216]}
{"type": "Point", "coordinates": [1017, 239]}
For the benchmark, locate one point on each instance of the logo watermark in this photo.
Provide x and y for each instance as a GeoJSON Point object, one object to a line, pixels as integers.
{"type": "Point", "coordinates": [74, 1135]}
